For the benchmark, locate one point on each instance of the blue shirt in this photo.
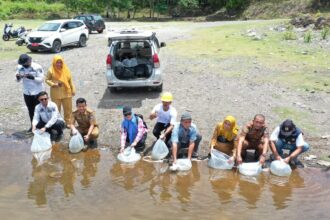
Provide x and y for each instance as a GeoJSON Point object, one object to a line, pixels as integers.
{"type": "Point", "coordinates": [182, 135]}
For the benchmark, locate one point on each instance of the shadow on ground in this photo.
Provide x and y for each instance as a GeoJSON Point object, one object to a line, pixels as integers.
{"type": "Point", "coordinates": [131, 97]}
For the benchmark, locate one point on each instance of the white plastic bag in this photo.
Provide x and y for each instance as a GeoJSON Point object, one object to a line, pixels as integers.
{"type": "Point", "coordinates": [280, 168]}
{"type": "Point", "coordinates": [220, 160]}
{"type": "Point", "coordinates": [159, 150]}
{"type": "Point", "coordinates": [41, 142]}
{"type": "Point", "coordinates": [250, 169]}
{"type": "Point", "coordinates": [183, 164]}
{"type": "Point", "coordinates": [76, 143]}
{"type": "Point", "coordinates": [129, 155]}
{"type": "Point", "coordinates": [42, 156]}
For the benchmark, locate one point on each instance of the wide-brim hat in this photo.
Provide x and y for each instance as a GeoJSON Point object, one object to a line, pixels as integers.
{"type": "Point", "coordinates": [287, 128]}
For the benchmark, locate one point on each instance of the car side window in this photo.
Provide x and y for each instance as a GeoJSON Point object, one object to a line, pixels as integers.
{"type": "Point", "coordinates": [89, 18]}
{"type": "Point", "coordinates": [79, 24]}
{"type": "Point", "coordinates": [65, 26]}
{"type": "Point", "coordinates": [72, 25]}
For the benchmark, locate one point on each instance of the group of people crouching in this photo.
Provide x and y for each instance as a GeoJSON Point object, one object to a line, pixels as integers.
{"type": "Point", "coordinates": [182, 138]}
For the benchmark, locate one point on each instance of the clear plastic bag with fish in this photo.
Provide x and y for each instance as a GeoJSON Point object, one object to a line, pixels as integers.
{"type": "Point", "coordinates": [41, 142]}
{"type": "Point", "coordinates": [280, 168]}
{"type": "Point", "coordinates": [76, 143]}
{"type": "Point", "coordinates": [220, 160]}
{"type": "Point", "coordinates": [129, 155]}
{"type": "Point", "coordinates": [183, 164]}
{"type": "Point", "coordinates": [159, 151]}
{"type": "Point", "coordinates": [250, 169]}
{"type": "Point", "coordinates": [42, 156]}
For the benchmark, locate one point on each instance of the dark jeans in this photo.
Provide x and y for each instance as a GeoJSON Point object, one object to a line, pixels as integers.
{"type": "Point", "coordinates": [159, 127]}
{"type": "Point", "coordinates": [31, 101]}
{"type": "Point", "coordinates": [58, 127]}
{"type": "Point", "coordinates": [140, 145]}
{"type": "Point", "coordinates": [183, 147]}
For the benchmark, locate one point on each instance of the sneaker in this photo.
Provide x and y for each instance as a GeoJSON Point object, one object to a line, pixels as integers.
{"type": "Point", "coordinates": [53, 134]}
{"type": "Point", "coordinates": [174, 167]}
{"type": "Point", "coordinates": [29, 131]}
{"type": "Point", "coordinates": [297, 163]}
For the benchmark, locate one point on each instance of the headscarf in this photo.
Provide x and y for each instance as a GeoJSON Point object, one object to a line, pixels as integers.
{"type": "Point", "coordinates": [130, 127]}
{"type": "Point", "coordinates": [232, 133]}
{"type": "Point", "coordinates": [63, 75]}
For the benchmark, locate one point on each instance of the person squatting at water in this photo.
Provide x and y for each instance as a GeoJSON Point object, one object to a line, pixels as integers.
{"type": "Point", "coordinates": [184, 135]}
{"type": "Point", "coordinates": [166, 117]}
{"type": "Point", "coordinates": [86, 121]}
{"type": "Point", "coordinates": [288, 136]}
{"type": "Point", "coordinates": [254, 135]}
{"type": "Point", "coordinates": [61, 86]}
{"type": "Point", "coordinates": [47, 117]}
{"type": "Point", "coordinates": [224, 137]}
{"type": "Point", "coordinates": [133, 131]}
{"type": "Point", "coordinates": [32, 76]}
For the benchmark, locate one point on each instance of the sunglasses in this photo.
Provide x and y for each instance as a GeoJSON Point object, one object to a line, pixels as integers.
{"type": "Point", "coordinates": [44, 99]}
{"type": "Point", "coordinates": [127, 114]}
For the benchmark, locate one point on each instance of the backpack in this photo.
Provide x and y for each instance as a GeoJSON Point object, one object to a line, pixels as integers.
{"type": "Point", "coordinates": [140, 116]}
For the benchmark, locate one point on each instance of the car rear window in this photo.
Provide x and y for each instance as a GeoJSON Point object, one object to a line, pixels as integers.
{"type": "Point", "coordinates": [98, 17]}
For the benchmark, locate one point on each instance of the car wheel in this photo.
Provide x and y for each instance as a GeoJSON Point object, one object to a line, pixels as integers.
{"type": "Point", "coordinates": [159, 88]}
{"type": "Point", "coordinates": [89, 31]}
{"type": "Point", "coordinates": [100, 31]}
{"type": "Point", "coordinates": [57, 46]}
{"type": "Point", "coordinates": [112, 89]}
{"type": "Point", "coordinates": [82, 41]}
{"type": "Point", "coordinates": [5, 37]}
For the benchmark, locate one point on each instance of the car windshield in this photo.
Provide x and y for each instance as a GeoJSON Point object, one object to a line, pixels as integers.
{"type": "Point", "coordinates": [49, 27]}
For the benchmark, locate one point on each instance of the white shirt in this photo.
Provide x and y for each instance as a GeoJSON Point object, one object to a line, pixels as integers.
{"type": "Point", "coordinates": [299, 141]}
{"type": "Point", "coordinates": [49, 114]}
{"type": "Point", "coordinates": [31, 86]}
{"type": "Point", "coordinates": [166, 117]}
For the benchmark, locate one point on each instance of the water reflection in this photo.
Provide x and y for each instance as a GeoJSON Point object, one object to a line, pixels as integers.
{"type": "Point", "coordinates": [251, 188]}
{"type": "Point", "coordinates": [61, 168]}
{"type": "Point", "coordinates": [282, 188]}
{"type": "Point", "coordinates": [224, 183]}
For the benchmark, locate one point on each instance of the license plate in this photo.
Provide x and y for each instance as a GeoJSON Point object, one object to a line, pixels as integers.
{"type": "Point", "coordinates": [35, 44]}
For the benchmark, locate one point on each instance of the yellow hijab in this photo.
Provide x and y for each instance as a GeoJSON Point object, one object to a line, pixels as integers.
{"type": "Point", "coordinates": [63, 75]}
{"type": "Point", "coordinates": [232, 133]}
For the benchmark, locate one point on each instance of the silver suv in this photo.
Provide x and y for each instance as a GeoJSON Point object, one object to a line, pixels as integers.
{"type": "Point", "coordinates": [133, 60]}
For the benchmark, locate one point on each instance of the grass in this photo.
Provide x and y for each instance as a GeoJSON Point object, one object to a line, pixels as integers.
{"type": "Point", "coordinates": [8, 49]}
{"type": "Point", "coordinates": [292, 62]}
{"type": "Point", "coordinates": [300, 118]}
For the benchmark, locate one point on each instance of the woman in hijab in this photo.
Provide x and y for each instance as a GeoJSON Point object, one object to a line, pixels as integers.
{"type": "Point", "coordinates": [61, 87]}
{"type": "Point", "coordinates": [224, 137]}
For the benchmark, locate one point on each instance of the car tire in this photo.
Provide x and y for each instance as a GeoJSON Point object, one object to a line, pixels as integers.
{"type": "Point", "coordinates": [5, 37]}
{"type": "Point", "coordinates": [159, 88]}
{"type": "Point", "coordinates": [82, 41]}
{"type": "Point", "coordinates": [112, 89]}
{"type": "Point", "coordinates": [100, 31]}
{"type": "Point", "coordinates": [89, 31]}
{"type": "Point", "coordinates": [57, 46]}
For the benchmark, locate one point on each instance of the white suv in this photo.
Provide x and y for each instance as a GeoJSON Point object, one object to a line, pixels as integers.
{"type": "Point", "coordinates": [53, 35]}
{"type": "Point", "coordinates": [133, 60]}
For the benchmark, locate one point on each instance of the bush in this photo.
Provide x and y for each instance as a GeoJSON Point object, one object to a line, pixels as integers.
{"type": "Point", "coordinates": [324, 33]}
{"type": "Point", "coordinates": [289, 35]}
{"type": "Point", "coordinates": [308, 37]}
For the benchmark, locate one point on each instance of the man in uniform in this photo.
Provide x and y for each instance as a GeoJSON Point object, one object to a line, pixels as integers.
{"type": "Point", "coordinates": [87, 125]}
{"type": "Point", "coordinates": [254, 135]}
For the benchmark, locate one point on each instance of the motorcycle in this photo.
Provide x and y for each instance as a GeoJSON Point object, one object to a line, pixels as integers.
{"type": "Point", "coordinates": [22, 39]}
{"type": "Point", "coordinates": [9, 33]}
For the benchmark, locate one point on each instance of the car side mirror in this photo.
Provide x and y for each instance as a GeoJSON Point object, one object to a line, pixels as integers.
{"type": "Point", "coordinates": [162, 44]}
{"type": "Point", "coordinates": [62, 30]}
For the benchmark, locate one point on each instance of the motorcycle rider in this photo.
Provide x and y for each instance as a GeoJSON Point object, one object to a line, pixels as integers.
{"type": "Point", "coordinates": [32, 76]}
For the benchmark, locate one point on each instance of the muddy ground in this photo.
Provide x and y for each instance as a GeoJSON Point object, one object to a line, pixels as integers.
{"type": "Point", "coordinates": [203, 91]}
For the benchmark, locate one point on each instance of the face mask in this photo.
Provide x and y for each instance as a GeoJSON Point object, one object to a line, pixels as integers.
{"type": "Point", "coordinates": [26, 66]}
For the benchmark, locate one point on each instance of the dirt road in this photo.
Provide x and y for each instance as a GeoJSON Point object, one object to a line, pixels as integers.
{"type": "Point", "coordinates": [208, 95]}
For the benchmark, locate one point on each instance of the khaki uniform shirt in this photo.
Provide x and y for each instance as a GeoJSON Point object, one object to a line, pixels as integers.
{"type": "Point", "coordinates": [85, 119]}
{"type": "Point", "coordinates": [253, 135]}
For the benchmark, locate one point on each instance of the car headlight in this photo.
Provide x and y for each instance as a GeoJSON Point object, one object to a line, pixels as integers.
{"type": "Point", "coordinates": [43, 38]}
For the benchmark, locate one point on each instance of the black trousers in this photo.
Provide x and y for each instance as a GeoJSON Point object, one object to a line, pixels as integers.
{"type": "Point", "coordinates": [58, 126]}
{"type": "Point", "coordinates": [31, 101]}
{"type": "Point", "coordinates": [159, 127]}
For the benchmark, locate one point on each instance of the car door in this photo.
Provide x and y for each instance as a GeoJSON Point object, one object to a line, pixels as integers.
{"type": "Point", "coordinates": [65, 33]}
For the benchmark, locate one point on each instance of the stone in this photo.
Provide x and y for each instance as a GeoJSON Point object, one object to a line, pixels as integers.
{"type": "Point", "coordinates": [323, 163]}
{"type": "Point", "coordinates": [326, 136]}
{"type": "Point", "coordinates": [310, 157]}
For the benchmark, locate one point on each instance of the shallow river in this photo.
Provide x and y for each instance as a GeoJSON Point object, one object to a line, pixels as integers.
{"type": "Point", "coordinates": [93, 185]}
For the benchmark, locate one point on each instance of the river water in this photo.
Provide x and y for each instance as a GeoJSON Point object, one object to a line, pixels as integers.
{"type": "Point", "coordinates": [94, 185]}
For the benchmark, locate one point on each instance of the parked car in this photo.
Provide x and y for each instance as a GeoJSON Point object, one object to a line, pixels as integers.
{"type": "Point", "coordinates": [133, 60]}
{"type": "Point", "coordinates": [53, 35]}
{"type": "Point", "coordinates": [94, 22]}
